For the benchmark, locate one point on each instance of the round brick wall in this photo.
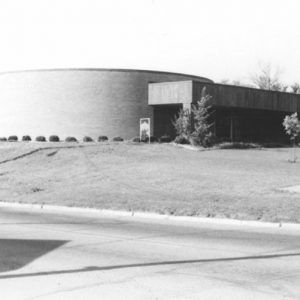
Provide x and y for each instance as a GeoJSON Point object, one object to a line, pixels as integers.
{"type": "Point", "coordinates": [78, 102]}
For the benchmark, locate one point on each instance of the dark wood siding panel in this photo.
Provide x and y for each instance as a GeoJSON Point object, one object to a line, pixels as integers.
{"type": "Point", "coordinates": [235, 96]}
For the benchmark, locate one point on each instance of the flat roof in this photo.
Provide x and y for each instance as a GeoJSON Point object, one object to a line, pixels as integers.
{"type": "Point", "coordinates": [108, 70]}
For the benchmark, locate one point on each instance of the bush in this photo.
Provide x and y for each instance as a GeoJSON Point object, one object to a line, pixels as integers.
{"type": "Point", "coordinates": [165, 139]}
{"type": "Point", "coordinates": [102, 138]}
{"type": "Point", "coordinates": [238, 145]}
{"type": "Point", "coordinates": [13, 138]}
{"type": "Point", "coordinates": [71, 139]}
{"type": "Point", "coordinates": [117, 139]}
{"type": "Point", "coordinates": [87, 139]}
{"type": "Point", "coordinates": [3, 139]}
{"type": "Point", "coordinates": [183, 124]}
{"type": "Point", "coordinates": [274, 145]}
{"type": "Point", "coordinates": [40, 138]}
{"type": "Point", "coordinates": [26, 138]}
{"type": "Point", "coordinates": [207, 140]}
{"type": "Point", "coordinates": [182, 140]}
{"type": "Point", "coordinates": [153, 139]}
{"type": "Point", "coordinates": [53, 138]}
{"type": "Point", "coordinates": [135, 139]}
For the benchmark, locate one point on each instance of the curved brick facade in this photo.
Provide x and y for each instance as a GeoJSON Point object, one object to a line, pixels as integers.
{"type": "Point", "coordinates": [78, 102]}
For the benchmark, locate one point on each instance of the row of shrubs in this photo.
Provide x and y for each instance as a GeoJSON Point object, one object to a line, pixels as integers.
{"type": "Point", "coordinates": [101, 138]}
{"type": "Point", "coordinates": [55, 138]}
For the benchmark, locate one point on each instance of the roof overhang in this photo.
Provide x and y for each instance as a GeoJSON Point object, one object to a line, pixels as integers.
{"type": "Point", "coordinates": [188, 92]}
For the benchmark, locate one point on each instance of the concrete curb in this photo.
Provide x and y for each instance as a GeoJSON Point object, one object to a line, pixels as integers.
{"type": "Point", "coordinates": [146, 215]}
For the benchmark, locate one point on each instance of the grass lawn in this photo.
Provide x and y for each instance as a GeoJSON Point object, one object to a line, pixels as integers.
{"type": "Point", "coordinates": [240, 184]}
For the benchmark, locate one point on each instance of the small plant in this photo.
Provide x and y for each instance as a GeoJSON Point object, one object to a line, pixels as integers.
{"type": "Point", "coordinates": [182, 140]}
{"type": "Point", "coordinates": [40, 138]}
{"type": "Point", "coordinates": [53, 138]}
{"type": "Point", "coordinates": [102, 138]}
{"type": "Point", "coordinates": [135, 139]}
{"type": "Point", "coordinates": [71, 139]}
{"type": "Point", "coordinates": [3, 139]}
{"type": "Point", "coordinates": [26, 138]}
{"type": "Point", "coordinates": [36, 189]}
{"type": "Point", "coordinates": [165, 139]}
{"type": "Point", "coordinates": [238, 145]}
{"type": "Point", "coordinates": [291, 126]}
{"type": "Point", "coordinates": [182, 124]}
{"type": "Point", "coordinates": [117, 139]}
{"type": "Point", "coordinates": [87, 139]}
{"type": "Point", "coordinates": [274, 145]}
{"type": "Point", "coordinates": [144, 137]}
{"type": "Point", "coordinates": [13, 138]}
{"type": "Point", "coordinates": [153, 139]}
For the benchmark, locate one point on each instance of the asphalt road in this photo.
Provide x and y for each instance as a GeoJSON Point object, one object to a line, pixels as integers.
{"type": "Point", "coordinates": [60, 255]}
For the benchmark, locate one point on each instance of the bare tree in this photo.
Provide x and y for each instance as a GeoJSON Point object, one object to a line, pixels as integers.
{"type": "Point", "coordinates": [295, 88]}
{"type": "Point", "coordinates": [224, 81]}
{"type": "Point", "coordinates": [268, 78]}
{"type": "Point", "coordinates": [237, 82]}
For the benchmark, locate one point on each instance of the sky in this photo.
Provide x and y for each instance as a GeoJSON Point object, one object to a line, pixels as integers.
{"type": "Point", "coordinates": [211, 38]}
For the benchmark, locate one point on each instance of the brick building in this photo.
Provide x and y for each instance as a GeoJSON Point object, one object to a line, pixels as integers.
{"type": "Point", "coordinates": [93, 102]}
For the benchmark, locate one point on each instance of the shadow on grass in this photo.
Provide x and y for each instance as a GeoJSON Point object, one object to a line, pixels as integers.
{"type": "Point", "coordinates": [16, 253]}
{"type": "Point", "coordinates": [64, 223]}
{"type": "Point", "coordinates": [150, 264]}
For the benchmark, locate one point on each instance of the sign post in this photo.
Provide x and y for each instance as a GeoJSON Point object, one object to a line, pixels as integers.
{"type": "Point", "coordinates": [145, 129]}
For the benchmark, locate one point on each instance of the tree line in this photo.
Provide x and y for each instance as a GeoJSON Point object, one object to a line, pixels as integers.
{"type": "Point", "coordinates": [267, 78]}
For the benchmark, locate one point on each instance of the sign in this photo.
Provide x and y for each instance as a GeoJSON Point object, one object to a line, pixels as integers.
{"type": "Point", "coordinates": [145, 129]}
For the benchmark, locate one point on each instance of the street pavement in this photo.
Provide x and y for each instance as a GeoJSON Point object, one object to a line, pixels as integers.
{"type": "Point", "coordinates": [57, 254]}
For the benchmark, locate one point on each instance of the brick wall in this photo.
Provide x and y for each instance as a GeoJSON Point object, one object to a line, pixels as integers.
{"type": "Point", "coordinates": [78, 102]}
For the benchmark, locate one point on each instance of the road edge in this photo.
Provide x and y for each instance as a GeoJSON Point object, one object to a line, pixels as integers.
{"type": "Point", "coordinates": [148, 215]}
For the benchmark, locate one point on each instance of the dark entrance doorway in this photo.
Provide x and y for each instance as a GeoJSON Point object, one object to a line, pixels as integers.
{"type": "Point", "coordinates": [163, 119]}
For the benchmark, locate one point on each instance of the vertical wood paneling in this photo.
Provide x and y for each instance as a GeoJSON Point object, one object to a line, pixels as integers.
{"type": "Point", "coordinates": [235, 96]}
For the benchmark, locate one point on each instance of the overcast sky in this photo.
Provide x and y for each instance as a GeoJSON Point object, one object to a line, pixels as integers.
{"type": "Point", "coordinates": [213, 38]}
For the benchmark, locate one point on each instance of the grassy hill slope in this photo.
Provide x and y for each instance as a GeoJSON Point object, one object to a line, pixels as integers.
{"type": "Point", "coordinates": [241, 184]}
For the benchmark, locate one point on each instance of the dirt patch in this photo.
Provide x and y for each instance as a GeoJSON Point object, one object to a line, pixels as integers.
{"type": "Point", "coordinates": [52, 153]}
{"type": "Point", "coordinates": [292, 189]}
